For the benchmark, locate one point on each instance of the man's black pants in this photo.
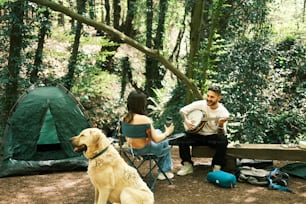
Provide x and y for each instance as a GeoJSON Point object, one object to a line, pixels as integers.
{"type": "Point", "coordinates": [216, 141]}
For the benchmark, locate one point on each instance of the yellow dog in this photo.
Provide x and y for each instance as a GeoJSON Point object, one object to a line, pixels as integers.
{"type": "Point", "coordinates": [114, 180]}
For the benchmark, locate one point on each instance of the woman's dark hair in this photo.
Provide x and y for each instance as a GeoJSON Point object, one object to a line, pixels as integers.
{"type": "Point", "coordinates": [136, 104]}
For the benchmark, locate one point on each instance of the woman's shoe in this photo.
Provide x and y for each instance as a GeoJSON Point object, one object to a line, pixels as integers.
{"type": "Point", "coordinates": [169, 174]}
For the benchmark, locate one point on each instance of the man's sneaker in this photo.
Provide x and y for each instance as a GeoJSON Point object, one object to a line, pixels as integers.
{"type": "Point", "coordinates": [161, 176]}
{"type": "Point", "coordinates": [187, 168]}
{"type": "Point", "coordinates": [217, 168]}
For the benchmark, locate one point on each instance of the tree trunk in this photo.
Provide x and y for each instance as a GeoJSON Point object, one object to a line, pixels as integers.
{"type": "Point", "coordinates": [195, 34]}
{"type": "Point", "coordinates": [72, 20]}
{"type": "Point", "coordinates": [176, 49]}
{"type": "Point", "coordinates": [117, 14]}
{"type": "Point", "coordinates": [44, 30]}
{"type": "Point", "coordinates": [128, 24]}
{"type": "Point", "coordinates": [127, 76]}
{"type": "Point", "coordinates": [108, 64]}
{"type": "Point", "coordinates": [60, 17]}
{"type": "Point", "coordinates": [157, 72]}
{"type": "Point", "coordinates": [213, 29]}
{"type": "Point", "coordinates": [14, 58]}
{"type": "Point", "coordinates": [91, 6]}
{"type": "Point", "coordinates": [150, 77]}
{"type": "Point", "coordinates": [107, 15]}
{"type": "Point", "coordinates": [75, 48]}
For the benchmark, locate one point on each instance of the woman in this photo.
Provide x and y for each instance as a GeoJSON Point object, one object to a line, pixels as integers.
{"type": "Point", "coordinates": [136, 105]}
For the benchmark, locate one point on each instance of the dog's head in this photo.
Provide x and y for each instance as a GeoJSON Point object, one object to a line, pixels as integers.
{"type": "Point", "coordinates": [90, 141]}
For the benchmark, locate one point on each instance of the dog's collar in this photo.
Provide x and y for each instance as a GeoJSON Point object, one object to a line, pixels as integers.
{"type": "Point", "coordinates": [100, 153]}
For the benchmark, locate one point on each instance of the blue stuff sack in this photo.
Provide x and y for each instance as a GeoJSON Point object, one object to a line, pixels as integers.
{"type": "Point", "coordinates": [222, 179]}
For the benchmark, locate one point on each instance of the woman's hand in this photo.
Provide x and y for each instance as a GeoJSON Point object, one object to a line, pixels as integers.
{"type": "Point", "coordinates": [169, 129]}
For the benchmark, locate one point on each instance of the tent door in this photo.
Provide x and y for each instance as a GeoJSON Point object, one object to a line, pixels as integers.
{"type": "Point", "coordinates": [48, 139]}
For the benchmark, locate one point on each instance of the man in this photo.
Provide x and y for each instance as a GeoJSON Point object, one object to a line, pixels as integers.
{"type": "Point", "coordinates": [211, 134]}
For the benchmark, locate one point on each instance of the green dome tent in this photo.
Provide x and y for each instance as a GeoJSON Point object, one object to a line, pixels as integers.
{"type": "Point", "coordinates": [36, 137]}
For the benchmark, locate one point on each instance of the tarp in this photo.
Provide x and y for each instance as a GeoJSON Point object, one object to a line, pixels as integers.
{"type": "Point", "coordinates": [297, 169]}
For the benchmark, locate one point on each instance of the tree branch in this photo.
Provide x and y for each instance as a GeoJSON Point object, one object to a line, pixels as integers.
{"type": "Point", "coordinates": [111, 31]}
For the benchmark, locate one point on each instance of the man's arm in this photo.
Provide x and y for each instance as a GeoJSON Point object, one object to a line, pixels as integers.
{"type": "Point", "coordinates": [184, 111]}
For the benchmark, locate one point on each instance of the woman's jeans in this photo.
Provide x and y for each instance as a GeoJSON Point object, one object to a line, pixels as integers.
{"type": "Point", "coordinates": [159, 149]}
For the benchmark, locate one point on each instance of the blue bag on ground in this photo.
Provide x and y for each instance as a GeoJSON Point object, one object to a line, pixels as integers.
{"type": "Point", "coordinates": [222, 179]}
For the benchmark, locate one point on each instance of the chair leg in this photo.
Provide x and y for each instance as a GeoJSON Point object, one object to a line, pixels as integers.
{"type": "Point", "coordinates": [151, 180]}
{"type": "Point", "coordinates": [161, 171]}
{"type": "Point", "coordinates": [148, 177]}
{"type": "Point", "coordinates": [129, 160]}
{"type": "Point", "coordinates": [138, 167]}
{"type": "Point", "coordinates": [156, 163]}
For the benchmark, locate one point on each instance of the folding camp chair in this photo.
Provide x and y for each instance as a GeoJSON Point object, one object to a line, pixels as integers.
{"type": "Point", "coordinates": [138, 160]}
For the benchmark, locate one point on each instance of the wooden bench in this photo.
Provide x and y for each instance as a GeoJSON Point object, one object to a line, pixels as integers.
{"type": "Point", "coordinates": [254, 151]}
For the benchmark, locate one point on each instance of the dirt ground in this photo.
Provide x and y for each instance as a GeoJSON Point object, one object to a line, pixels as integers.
{"type": "Point", "coordinates": [75, 188]}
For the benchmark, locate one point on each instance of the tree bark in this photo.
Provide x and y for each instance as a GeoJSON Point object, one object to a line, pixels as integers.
{"type": "Point", "coordinates": [149, 61]}
{"type": "Point", "coordinates": [155, 72]}
{"type": "Point", "coordinates": [44, 29]}
{"type": "Point", "coordinates": [72, 21]}
{"type": "Point", "coordinates": [107, 15]}
{"type": "Point", "coordinates": [128, 24]}
{"type": "Point", "coordinates": [176, 49]}
{"type": "Point", "coordinates": [91, 6]}
{"type": "Point", "coordinates": [14, 58]}
{"type": "Point", "coordinates": [117, 13]}
{"type": "Point", "coordinates": [75, 48]}
{"type": "Point", "coordinates": [60, 17]}
{"type": "Point", "coordinates": [195, 31]}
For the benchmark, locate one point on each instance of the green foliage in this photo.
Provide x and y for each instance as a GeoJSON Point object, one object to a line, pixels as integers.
{"type": "Point", "coordinates": [4, 1]}
{"type": "Point", "coordinates": [159, 103]}
{"type": "Point", "coordinates": [218, 48]}
{"type": "Point", "coordinates": [247, 18]}
{"type": "Point", "coordinates": [168, 105]}
{"type": "Point", "coordinates": [97, 90]}
{"type": "Point", "coordinates": [287, 127]}
{"type": "Point", "coordinates": [243, 71]}
{"type": "Point", "coordinates": [287, 79]}
{"type": "Point", "coordinates": [269, 102]}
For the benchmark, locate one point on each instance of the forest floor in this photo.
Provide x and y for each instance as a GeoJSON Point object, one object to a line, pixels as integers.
{"type": "Point", "coordinates": [75, 188]}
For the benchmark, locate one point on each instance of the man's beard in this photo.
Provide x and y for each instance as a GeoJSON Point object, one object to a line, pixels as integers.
{"type": "Point", "coordinates": [211, 103]}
